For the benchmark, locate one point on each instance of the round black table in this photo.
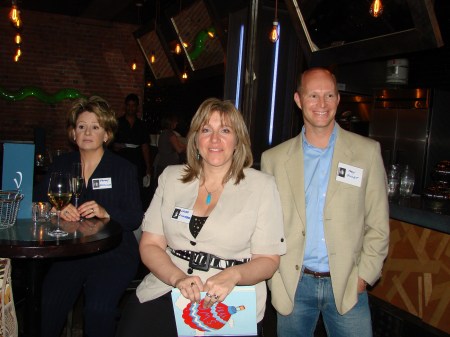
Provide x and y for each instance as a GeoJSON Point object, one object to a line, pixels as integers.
{"type": "Point", "coordinates": [30, 241]}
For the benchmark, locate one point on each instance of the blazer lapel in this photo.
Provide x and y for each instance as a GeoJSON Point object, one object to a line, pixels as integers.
{"type": "Point", "coordinates": [342, 154]}
{"type": "Point", "coordinates": [295, 172]}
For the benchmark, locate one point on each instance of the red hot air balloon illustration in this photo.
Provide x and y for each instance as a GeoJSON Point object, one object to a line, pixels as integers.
{"type": "Point", "coordinates": [208, 319]}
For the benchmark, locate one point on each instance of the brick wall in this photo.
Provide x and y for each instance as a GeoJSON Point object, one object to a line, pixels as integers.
{"type": "Point", "coordinates": [93, 57]}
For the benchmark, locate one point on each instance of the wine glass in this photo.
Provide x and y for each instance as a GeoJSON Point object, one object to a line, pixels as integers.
{"type": "Point", "coordinates": [77, 181]}
{"type": "Point", "coordinates": [59, 194]}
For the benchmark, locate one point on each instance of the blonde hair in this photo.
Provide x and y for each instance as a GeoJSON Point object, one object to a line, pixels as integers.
{"type": "Point", "coordinates": [242, 156]}
{"type": "Point", "coordinates": [98, 106]}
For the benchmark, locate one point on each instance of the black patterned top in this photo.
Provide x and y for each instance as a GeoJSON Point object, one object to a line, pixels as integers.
{"type": "Point", "coordinates": [196, 224]}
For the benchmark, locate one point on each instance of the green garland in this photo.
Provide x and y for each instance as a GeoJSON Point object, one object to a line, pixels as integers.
{"type": "Point", "coordinates": [40, 94]}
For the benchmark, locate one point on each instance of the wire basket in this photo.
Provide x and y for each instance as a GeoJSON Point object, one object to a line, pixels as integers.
{"type": "Point", "coordinates": [9, 207]}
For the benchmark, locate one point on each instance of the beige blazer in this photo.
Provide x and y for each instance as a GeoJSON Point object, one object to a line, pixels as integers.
{"type": "Point", "coordinates": [356, 219]}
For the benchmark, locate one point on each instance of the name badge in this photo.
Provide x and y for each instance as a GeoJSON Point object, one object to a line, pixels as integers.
{"type": "Point", "coordinates": [349, 174]}
{"type": "Point", "coordinates": [182, 214]}
{"type": "Point", "coordinates": [101, 183]}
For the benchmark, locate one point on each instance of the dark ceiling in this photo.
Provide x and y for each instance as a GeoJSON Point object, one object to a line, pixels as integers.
{"type": "Point", "coordinates": [124, 11]}
{"type": "Point", "coordinates": [329, 21]}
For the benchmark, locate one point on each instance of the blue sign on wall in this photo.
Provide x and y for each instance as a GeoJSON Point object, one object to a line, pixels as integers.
{"type": "Point", "coordinates": [18, 170]}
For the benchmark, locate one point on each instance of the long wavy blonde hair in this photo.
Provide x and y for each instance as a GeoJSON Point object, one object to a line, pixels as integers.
{"type": "Point", "coordinates": [242, 156]}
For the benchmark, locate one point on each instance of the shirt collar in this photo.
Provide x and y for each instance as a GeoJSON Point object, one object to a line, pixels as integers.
{"type": "Point", "coordinates": [331, 141]}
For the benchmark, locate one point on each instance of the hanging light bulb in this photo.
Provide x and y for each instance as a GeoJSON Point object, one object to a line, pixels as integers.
{"type": "Point", "coordinates": [274, 36]}
{"type": "Point", "coordinates": [18, 54]}
{"type": "Point", "coordinates": [149, 84]}
{"type": "Point", "coordinates": [274, 33]}
{"type": "Point", "coordinates": [152, 57]}
{"type": "Point", "coordinates": [211, 32]}
{"type": "Point", "coordinates": [178, 49]}
{"type": "Point", "coordinates": [134, 65]}
{"type": "Point", "coordinates": [184, 75]}
{"type": "Point", "coordinates": [17, 39]}
{"type": "Point", "coordinates": [18, 24]}
{"type": "Point", "coordinates": [376, 8]}
{"type": "Point", "coordinates": [14, 13]}
{"type": "Point", "coordinates": [185, 45]}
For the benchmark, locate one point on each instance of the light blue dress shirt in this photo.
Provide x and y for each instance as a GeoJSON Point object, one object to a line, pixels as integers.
{"type": "Point", "coordinates": [317, 164]}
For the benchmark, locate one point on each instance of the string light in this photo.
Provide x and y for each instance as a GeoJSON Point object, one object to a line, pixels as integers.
{"type": "Point", "coordinates": [14, 17]}
{"type": "Point", "coordinates": [274, 33]}
{"type": "Point", "coordinates": [134, 65]}
{"type": "Point", "coordinates": [376, 8]}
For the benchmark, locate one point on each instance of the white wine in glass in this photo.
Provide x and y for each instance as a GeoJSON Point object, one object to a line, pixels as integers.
{"type": "Point", "coordinates": [59, 194]}
{"type": "Point", "coordinates": [77, 181]}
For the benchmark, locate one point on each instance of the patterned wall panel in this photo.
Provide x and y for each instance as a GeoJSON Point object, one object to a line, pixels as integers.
{"type": "Point", "coordinates": [416, 274]}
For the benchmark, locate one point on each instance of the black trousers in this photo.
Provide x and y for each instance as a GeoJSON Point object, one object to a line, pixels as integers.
{"type": "Point", "coordinates": [103, 278]}
{"type": "Point", "coordinates": [152, 318]}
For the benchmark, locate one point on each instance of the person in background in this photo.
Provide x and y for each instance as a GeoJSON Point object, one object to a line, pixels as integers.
{"type": "Point", "coordinates": [234, 218]}
{"type": "Point", "coordinates": [170, 145]}
{"type": "Point", "coordinates": [333, 192]}
{"type": "Point", "coordinates": [132, 143]}
{"type": "Point", "coordinates": [104, 276]}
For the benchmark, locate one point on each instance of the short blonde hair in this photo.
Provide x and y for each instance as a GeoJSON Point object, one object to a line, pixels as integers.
{"type": "Point", "coordinates": [98, 106]}
{"type": "Point", "coordinates": [242, 156]}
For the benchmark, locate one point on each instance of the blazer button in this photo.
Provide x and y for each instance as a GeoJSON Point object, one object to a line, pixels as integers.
{"type": "Point", "coordinates": [193, 243]}
{"type": "Point", "coordinates": [297, 267]}
{"type": "Point", "coordinates": [282, 239]}
{"type": "Point", "coordinates": [303, 232]}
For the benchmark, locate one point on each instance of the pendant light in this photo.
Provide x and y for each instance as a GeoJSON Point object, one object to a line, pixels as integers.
{"type": "Point", "coordinates": [152, 57]}
{"type": "Point", "coordinates": [153, 54]}
{"type": "Point", "coordinates": [376, 8]}
{"type": "Point", "coordinates": [274, 33]}
{"type": "Point", "coordinates": [14, 14]}
{"type": "Point", "coordinates": [138, 6]}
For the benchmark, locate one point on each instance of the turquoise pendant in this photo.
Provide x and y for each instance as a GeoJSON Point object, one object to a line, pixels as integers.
{"type": "Point", "coordinates": [208, 199]}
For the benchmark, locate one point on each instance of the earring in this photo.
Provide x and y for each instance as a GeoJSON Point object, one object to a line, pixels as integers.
{"type": "Point", "coordinates": [198, 155]}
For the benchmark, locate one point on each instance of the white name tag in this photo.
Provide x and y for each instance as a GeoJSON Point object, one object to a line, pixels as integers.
{"type": "Point", "coordinates": [182, 214]}
{"type": "Point", "coordinates": [101, 183]}
{"type": "Point", "coordinates": [349, 174]}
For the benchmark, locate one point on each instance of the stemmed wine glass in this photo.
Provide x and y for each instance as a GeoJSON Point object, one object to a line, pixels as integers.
{"type": "Point", "coordinates": [77, 181]}
{"type": "Point", "coordinates": [59, 194]}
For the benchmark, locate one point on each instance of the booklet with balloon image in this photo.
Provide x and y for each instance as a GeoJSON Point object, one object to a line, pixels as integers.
{"type": "Point", "coordinates": [235, 316]}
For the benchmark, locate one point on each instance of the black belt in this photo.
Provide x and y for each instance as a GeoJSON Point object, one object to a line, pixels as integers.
{"type": "Point", "coordinates": [203, 261]}
{"type": "Point", "coordinates": [317, 274]}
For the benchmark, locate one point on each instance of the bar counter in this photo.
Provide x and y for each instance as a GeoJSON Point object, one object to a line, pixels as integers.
{"type": "Point", "coordinates": [422, 212]}
{"type": "Point", "coordinates": [416, 273]}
